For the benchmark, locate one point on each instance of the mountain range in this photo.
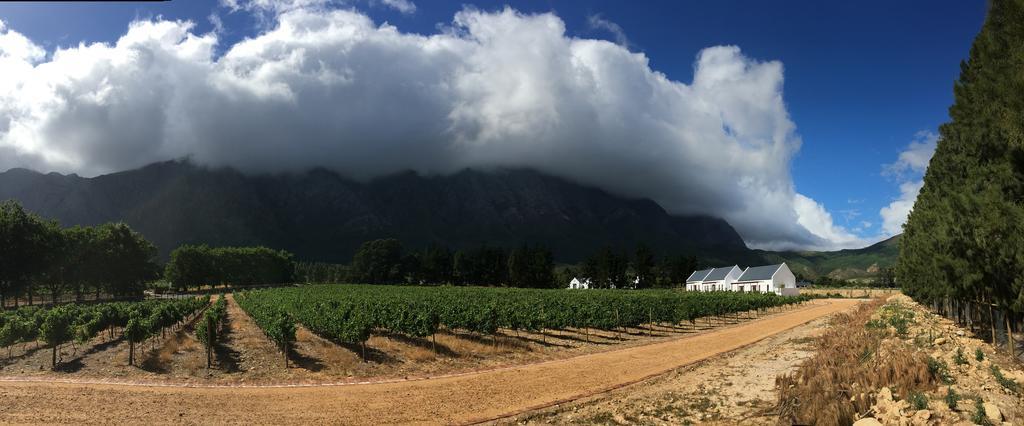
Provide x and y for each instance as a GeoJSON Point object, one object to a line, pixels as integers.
{"type": "Point", "coordinates": [321, 215]}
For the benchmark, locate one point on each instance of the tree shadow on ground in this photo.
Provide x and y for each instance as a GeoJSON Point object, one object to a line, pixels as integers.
{"type": "Point", "coordinates": [75, 364]}
{"type": "Point", "coordinates": [303, 361]}
{"type": "Point", "coordinates": [423, 342]}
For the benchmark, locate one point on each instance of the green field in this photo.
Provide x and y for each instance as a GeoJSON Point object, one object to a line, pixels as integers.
{"type": "Point", "coordinates": [349, 313]}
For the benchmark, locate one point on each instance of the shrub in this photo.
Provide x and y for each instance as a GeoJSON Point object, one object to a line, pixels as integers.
{"type": "Point", "coordinates": [809, 395]}
{"type": "Point", "coordinates": [979, 355]}
{"type": "Point", "coordinates": [918, 400]}
{"type": "Point", "coordinates": [979, 417]}
{"type": "Point", "coordinates": [940, 370]}
{"type": "Point", "coordinates": [959, 358]}
{"type": "Point", "coordinates": [1007, 383]}
{"type": "Point", "coordinates": [952, 398]}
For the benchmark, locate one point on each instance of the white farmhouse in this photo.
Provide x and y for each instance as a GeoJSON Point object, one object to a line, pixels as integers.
{"type": "Point", "coordinates": [721, 279]}
{"type": "Point", "coordinates": [696, 279]}
{"type": "Point", "coordinates": [577, 283]}
{"type": "Point", "coordinates": [777, 279]}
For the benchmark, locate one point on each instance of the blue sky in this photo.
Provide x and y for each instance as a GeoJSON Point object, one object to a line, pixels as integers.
{"type": "Point", "coordinates": [861, 78]}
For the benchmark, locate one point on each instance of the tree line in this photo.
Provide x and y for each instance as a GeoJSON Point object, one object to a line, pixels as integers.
{"type": "Point", "coordinates": [197, 265]}
{"type": "Point", "coordinates": [37, 254]}
{"type": "Point", "coordinates": [387, 261]}
{"type": "Point", "coordinates": [610, 268]}
{"type": "Point", "coordinates": [963, 244]}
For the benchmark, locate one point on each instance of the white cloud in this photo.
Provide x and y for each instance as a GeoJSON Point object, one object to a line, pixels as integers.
{"type": "Point", "coordinates": [327, 87]}
{"type": "Point", "coordinates": [813, 216]}
{"type": "Point", "coordinates": [908, 169]}
{"type": "Point", "coordinates": [404, 6]}
{"type": "Point", "coordinates": [895, 214]}
{"type": "Point", "coordinates": [915, 158]}
{"type": "Point", "coordinates": [598, 22]}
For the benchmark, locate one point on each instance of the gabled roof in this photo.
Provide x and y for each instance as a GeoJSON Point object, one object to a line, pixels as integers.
{"type": "Point", "coordinates": [758, 273]}
{"type": "Point", "coordinates": [720, 273]}
{"type": "Point", "coordinates": [698, 275]}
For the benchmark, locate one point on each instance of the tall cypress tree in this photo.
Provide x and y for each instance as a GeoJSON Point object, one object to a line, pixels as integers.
{"type": "Point", "coordinates": [964, 239]}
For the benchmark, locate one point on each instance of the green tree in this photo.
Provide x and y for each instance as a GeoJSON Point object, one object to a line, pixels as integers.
{"type": "Point", "coordinates": [606, 269]}
{"type": "Point", "coordinates": [56, 329]}
{"type": "Point", "coordinates": [128, 259]}
{"type": "Point", "coordinates": [644, 266]}
{"type": "Point", "coordinates": [24, 246]}
{"type": "Point", "coordinates": [963, 241]}
{"type": "Point", "coordinates": [379, 262]}
{"type": "Point", "coordinates": [190, 266]}
{"type": "Point", "coordinates": [435, 265]}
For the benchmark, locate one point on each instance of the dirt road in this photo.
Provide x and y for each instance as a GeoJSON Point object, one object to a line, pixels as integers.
{"type": "Point", "coordinates": [465, 398]}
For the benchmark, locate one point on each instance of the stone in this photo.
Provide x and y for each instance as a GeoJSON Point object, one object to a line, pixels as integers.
{"type": "Point", "coordinates": [939, 341]}
{"type": "Point", "coordinates": [992, 412]}
{"type": "Point", "coordinates": [922, 415]}
{"type": "Point", "coordinates": [885, 394]}
{"type": "Point", "coordinates": [867, 421]}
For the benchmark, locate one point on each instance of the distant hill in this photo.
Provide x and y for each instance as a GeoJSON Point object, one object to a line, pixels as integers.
{"type": "Point", "coordinates": [322, 216]}
{"type": "Point", "coordinates": [845, 264]}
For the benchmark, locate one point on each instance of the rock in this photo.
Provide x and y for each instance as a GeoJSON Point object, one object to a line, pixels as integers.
{"type": "Point", "coordinates": [939, 341]}
{"type": "Point", "coordinates": [960, 333]}
{"type": "Point", "coordinates": [921, 418]}
{"type": "Point", "coordinates": [885, 394]}
{"type": "Point", "coordinates": [867, 421]}
{"type": "Point", "coordinates": [992, 412]}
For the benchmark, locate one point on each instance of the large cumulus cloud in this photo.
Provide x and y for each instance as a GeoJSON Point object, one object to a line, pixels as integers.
{"type": "Point", "coordinates": [329, 87]}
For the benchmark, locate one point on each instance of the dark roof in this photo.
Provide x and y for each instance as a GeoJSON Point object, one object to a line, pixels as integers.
{"type": "Point", "coordinates": [759, 273]}
{"type": "Point", "coordinates": [719, 273]}
{"type": "Point", "coordinates": [698, 275]}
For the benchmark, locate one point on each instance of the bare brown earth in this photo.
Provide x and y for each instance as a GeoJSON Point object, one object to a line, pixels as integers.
{"type": "Point", "coordinates": [458, 398]}
{"type": "Point", "coordinates": [852, 292]}
{"type": "Point", "coordinates": [733, 388]}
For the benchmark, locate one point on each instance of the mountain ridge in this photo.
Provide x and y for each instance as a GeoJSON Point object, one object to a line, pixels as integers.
{"type": "Point", "coordinates": [321, 215]}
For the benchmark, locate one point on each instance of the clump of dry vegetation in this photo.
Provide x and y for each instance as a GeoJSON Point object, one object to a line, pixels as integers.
{"type": "Point", "coordinates": [854, 358]}
{"type": "Point", "coordinates": [896, 362]}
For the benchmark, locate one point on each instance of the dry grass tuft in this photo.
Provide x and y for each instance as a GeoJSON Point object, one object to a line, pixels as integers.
{"type": "Point", "coordinates": [836, 385]}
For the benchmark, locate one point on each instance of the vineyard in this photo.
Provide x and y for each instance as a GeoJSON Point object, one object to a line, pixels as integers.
{"type": "Point", "coordinates": [78, 324]}
{"type": "Point", "coordinates": [349, 313]}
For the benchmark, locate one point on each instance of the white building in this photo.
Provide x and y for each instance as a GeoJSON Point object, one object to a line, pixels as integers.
{"type": "Point", "coordinates": [777, 279]}
{"type": "Point", "coordinates": [721, 279]}
{"type": "Point", "coordinates": [577, 283]}
{"type": "Point", "coordinates": [696, 279]}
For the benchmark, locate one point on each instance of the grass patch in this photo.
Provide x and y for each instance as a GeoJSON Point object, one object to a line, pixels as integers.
{"type": "Point", "coordinates": [979, 417]}
{"type": "Point", "coordinates": [958, 357]}
{"type": "Point", "coordinates": [952, 398]}
{"type": "Point", "coordinates": [895, 314]}
{"type": "Point", "coordinates": [850, 358]}
{"type": "Point", "coordinates": [918, 400]}
{"type": "Point", "coordinates": [1006, 382]}
{"type": "Point", "coordinates": [940, 370]}
{"type": "Point", "coordinates": [979, 355]}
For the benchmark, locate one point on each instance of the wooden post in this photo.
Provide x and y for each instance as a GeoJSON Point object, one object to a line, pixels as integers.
{"type": "Point", "coordinates": [1009, 337]}
{"type": "Point", "coordinates": [992, 322]}
{"type": "Point", "coordinates": [210, 338]}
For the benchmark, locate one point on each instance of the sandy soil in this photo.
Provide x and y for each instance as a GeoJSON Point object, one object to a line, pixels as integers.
{"type": "Point", "coordinates": [734, 388]}
{"type": "Point", "coordinates": [853, 292]}
{"type": "Point", "coordinates": [459, 398]}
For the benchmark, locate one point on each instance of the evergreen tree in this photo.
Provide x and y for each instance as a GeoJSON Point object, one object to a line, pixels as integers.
{"type": "Point", "coordinates": [964, 239]}
{"type": "Point", "coordinates": [644, 267]}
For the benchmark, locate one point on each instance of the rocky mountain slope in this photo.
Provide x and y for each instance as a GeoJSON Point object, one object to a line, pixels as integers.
{"type": "Point", "coordinates": [321, 215]}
